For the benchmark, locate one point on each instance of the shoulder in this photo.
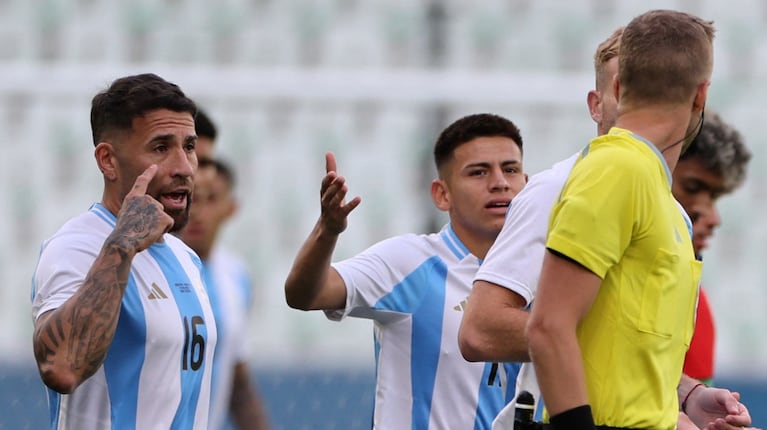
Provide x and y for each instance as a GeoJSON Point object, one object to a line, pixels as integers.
{"type": "Point", "coordinates": [401, 253]}
{"type": "Point", "coordinates": [544, 187]}
{"type": "Point", "coordinates": [84, 232]}
{"type": "Point", "coordinates": [228, 261]}
{"type": "Point", "coordinates": [407, 243]}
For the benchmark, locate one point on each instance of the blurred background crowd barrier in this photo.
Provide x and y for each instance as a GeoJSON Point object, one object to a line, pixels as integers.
{"type": "Point", "coordinates": [374, 81]}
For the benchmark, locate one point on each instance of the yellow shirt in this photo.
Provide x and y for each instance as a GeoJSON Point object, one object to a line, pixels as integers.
{"type": "Point", "coordinates": [617, 217]}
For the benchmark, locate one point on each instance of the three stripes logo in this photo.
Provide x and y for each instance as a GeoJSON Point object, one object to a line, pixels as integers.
{"type": "Point", "coordinates": [156, 293]}
{"type": "Point", "coordinates": [461, 306]}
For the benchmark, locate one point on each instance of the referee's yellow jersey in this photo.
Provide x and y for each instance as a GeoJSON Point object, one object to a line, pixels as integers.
{"type": "Point", "coordinates": [617, 217]}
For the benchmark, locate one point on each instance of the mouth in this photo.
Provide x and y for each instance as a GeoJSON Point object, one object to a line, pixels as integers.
{"type": "Point", "coordinates": [500, 206]}
{"type": "Point", "coordinates": [175, 200]}
{"type": "Point", "coordinates": [700, 242]}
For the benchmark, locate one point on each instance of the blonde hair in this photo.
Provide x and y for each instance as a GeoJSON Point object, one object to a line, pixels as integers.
{"type": "Point", "coordinates": [606, 51]}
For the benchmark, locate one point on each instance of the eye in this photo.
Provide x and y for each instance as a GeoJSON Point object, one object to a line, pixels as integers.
{"type": "Point", "coordinates": [477, 172]}
{"type": "Point", "coordinates": [161, 148]}
{"type": "Point", "coordinates": [511, 170]}
{"type": "Point", "coordinates": [190, 146]}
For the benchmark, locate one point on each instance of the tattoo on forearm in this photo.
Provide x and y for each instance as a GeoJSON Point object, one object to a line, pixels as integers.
{"type": "Point", "coordinates": [91, 320]}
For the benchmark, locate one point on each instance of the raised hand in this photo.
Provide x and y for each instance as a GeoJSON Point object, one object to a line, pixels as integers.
{"type": "Point", "coordinates": [142, 219]}
{"type": "Point", "coordinates": [334, 210]}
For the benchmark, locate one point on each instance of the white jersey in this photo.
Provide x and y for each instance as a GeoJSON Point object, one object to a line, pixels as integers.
{"type": "Point", "coordinates": [229, 288]}
{"type": "Point", "coordinates": [515, 259]}
{"type": "Point", "coordinates": [415, 287]}
{"type": "Point", "coordinates": [156, 374]}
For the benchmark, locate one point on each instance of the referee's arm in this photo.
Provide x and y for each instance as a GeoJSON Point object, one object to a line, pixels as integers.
{"type": "Point", "coordinates": [566, 292]}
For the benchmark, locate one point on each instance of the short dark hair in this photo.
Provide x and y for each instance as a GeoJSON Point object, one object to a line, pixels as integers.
{"type": "Point", "coordinates": [204, 126]}
{"type": "Point", "coordinates": [130, 97]}
{"type": "Point", "coordinates": [222, 168]}
{"type": "Point", "coordinates": [469, 128]}
{"type": "Point", "coordinates": [720, 148]}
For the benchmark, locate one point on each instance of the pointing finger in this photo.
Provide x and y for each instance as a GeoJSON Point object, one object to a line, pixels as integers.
{"type": "Point", "coordinates": [330, 162]}
{"type": "Point", "coordinates": [143, 180]}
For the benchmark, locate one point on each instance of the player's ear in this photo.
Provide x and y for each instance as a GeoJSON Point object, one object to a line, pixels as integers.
{"type": "Point", "coordinates": [440, 194]}
{"type": "Point", "coordinates": [592, 100]}
{"type": "Point", "coordinates": [106, 160]}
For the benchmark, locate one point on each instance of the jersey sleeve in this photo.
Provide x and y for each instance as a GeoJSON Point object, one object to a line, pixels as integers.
{"type": "Point", "coordinates": [515, 259]}
{"type": "Point", "coordinates": [594, 219]}
{"type": "Point", "coordinates": [373, 274]}
{"type": "Point", "coordinates": [61, 270]}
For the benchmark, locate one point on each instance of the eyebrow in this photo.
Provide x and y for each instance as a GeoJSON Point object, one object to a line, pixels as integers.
{"type": "Point", "coordinates": [486, 164]}
{"type": "Point", "coordinates": [170, 136]}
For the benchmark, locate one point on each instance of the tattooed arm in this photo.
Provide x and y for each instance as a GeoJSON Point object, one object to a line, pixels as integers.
{"type": "Point", "coordinates": [71, 342]}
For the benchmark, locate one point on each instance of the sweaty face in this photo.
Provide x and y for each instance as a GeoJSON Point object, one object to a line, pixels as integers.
{"type": "Point", "coordinates": [212, 205]}
{"type": "Point", "coordinates": [697, 189]}
{"type": "Point", "coordinates": [482, 178]}
{"type": "Point", "coordinates": [165, 138]}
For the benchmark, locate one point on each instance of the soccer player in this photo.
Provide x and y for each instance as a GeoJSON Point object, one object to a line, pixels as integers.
{"type": "Point", "coordinates": [207, 132]}
{"type": "Point", "coordinates": [228, 285]}
{"type": "Point", "coordinates": [494, 320]}
{"type": "Point", "coordinates": [124, 332]}
{"type": "Point", "coordinates": [413, 286]}
{"type": "Point", "coordinates": [614, 311]}
{"type": "Point", "coordinates": [713, 166]}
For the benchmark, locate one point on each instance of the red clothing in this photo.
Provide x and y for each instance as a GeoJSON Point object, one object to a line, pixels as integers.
{"type": "Point", "coordinates": [699, 361]}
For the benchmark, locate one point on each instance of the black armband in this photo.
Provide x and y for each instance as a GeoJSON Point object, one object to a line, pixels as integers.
{"type": "Point", "coordinates": [574, 419]}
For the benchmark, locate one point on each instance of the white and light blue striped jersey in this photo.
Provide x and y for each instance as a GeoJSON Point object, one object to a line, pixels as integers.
{"type": "Point", "coordinates": [229, 289]}
{"type": "Point", "coordinates": [156, 374]}
{"type": "Point", "coordinates": [415, 287]}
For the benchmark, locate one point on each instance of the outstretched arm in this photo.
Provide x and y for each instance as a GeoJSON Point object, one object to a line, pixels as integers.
{"type": "Point", "coordinates": [311, 283]}
{"type": "Point", "coordinates": [71, 342]}
{"type": "Point", "coordinates": [712, 408]}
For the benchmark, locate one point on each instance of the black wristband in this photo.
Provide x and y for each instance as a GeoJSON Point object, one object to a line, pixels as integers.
{"type": "Point", "coordinates": [574, 419]}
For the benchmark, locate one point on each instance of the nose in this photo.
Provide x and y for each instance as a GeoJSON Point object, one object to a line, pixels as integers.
{"type": "Point", "coordinates": [499, 181]}
{"type": "Point", "coordinates": [183, 163]}
{"type": "Point", "coordinates": [711, 217]}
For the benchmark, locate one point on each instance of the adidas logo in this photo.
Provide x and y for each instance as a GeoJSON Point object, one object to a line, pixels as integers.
{"type": "Point", "coordinates": [156, 293]}
{"type": "Point", "coordinates": [461, 306]}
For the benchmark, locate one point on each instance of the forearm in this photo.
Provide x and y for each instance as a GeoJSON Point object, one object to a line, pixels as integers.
{"type": "Point", "coordinates": [559, 369]}
{"type": "Point", "coordinates": [245, 405]}
{"type": "Point", "coordinates": [71, 342]}
{"type": "Point", "coordinates": [493, 325]}
{"type": "Point", "coordinates": [310, 270]}
{"type": "Point", "coordinates": [686, 385]}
